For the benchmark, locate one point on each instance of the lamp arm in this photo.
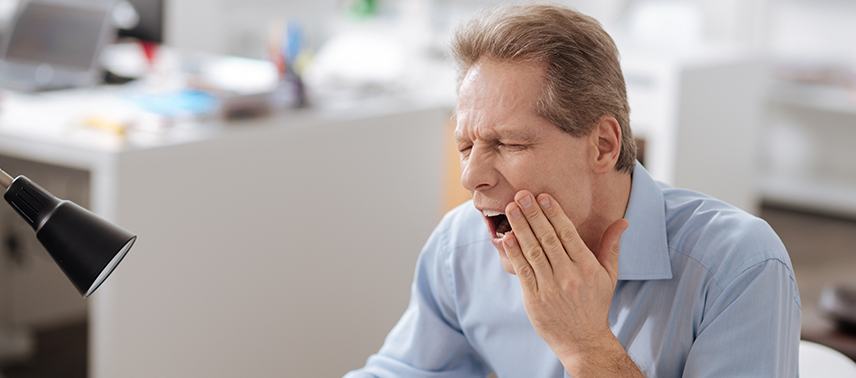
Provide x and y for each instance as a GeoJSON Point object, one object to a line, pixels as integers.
{"type": "Point", "coordinates": [5, 179]}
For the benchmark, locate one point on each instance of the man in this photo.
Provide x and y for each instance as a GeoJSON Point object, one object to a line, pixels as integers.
{"type": "Point", "coordinates": [611, 273]}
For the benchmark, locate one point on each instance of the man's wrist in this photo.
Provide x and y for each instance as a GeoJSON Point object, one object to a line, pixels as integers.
{"type": "Point", "coordinates": [602, 357]}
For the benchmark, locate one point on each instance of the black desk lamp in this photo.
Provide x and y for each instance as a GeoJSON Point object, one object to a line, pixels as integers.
{"type": "Point", "coordinates": [86, 247]}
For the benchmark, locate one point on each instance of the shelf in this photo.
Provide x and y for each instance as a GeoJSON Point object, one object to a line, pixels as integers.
{"type": "Point", "coordinates": [814, 97]}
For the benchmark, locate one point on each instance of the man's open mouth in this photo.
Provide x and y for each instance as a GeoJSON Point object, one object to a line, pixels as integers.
{"type": "Point", "coordinates": [499, 225]}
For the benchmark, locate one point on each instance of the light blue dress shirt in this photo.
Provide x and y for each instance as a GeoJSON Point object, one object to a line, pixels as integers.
{"type": "Point", "coordinates": [704, 290]}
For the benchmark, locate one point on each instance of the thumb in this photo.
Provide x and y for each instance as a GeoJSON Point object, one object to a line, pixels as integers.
{"type": "Point", "coordinates": [608, 250]}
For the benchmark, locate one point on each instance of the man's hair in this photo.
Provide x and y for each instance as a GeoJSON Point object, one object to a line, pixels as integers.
{"type": "Point", "coordinates": [583, 79]}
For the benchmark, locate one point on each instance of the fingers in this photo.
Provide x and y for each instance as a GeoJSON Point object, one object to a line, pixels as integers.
{"type": "Point", "coordinates": [528, 243]}
{"type": "Point", "coordinates": [543, 230]}
{"type": "Point", "coordinates": [545, 242]}
{"type": "Point", "coordinates": [565, 229]}
{"type": "Point", "coordinates": [524, 271]}
{"type": "Point", "coordinates": [608, 250]}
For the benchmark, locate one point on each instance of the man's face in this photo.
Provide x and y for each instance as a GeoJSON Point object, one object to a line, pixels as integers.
{"type": "Point", "coordinates": [506, 147]}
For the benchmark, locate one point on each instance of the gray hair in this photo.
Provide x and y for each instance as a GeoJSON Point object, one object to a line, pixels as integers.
{"type": "Point", "coordinates": [583, 76]}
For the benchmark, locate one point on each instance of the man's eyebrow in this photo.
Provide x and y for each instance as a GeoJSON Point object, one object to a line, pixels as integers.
{"type": "Point", "coordinates": [517, 135]}
{"type": "Point", "coordinates": [520, 135]}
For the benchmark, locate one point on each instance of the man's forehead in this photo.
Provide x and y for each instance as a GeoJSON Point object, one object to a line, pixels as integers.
{"type": "Point", "coordinates": [502, 87]}
{"type": "Point", "coordinates": [498, 100]}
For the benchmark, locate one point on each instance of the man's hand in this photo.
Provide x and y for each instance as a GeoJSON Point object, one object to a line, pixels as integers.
{"type": "Point", "coordinates": [567, 288]}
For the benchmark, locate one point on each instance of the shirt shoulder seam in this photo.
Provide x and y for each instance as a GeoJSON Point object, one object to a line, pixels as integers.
{"type": "Point", "coordinates": [701, 264]}
{"type": "Point", "coordinates": [790, 272]}
{"type": "Point", "coordinates": [722, 288]}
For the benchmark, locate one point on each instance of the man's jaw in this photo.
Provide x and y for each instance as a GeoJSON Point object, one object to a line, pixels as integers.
{"type": "Point", "coordinates": [503, 257]}
{"type": "Point", "coordinates": [497, 226]}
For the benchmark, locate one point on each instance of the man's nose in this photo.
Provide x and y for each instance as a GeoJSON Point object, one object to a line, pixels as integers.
{"type": "Point", "coordinates": [477, 171]}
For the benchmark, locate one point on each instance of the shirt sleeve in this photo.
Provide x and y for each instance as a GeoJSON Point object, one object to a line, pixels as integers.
{"type": "Point", "coordinates": [752, 329]}
{"type": "Point", "coordinates": [427, 341]}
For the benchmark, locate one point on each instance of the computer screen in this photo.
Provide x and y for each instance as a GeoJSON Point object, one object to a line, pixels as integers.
{"type": "Point", "coordinates": [150, 25]}
{"type": "Point", "coordinates": [56, 34]}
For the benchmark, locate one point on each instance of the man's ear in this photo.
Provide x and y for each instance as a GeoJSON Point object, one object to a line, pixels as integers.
{"type": "Point", "coordinates": [605, 138]}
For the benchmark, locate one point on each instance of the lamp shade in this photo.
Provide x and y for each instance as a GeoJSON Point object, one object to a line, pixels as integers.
{"type": "Point", "coordinates": [86, 247]}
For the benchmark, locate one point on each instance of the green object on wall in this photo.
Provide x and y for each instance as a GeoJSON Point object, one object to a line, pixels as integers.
{"type": "Point", "coordinates": [363, 8]}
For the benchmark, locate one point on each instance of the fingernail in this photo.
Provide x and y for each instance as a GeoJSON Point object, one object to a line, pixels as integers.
{"type": "Point", "coordinates": [544, 200]}
{"type": "Point", "coordinates": [526, 201]}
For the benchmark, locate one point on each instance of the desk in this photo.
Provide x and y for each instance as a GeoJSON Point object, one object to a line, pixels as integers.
{"type": "Point", "coordinates": [281, 246]}
{"type": "Point", "coordinates": [821, 330]}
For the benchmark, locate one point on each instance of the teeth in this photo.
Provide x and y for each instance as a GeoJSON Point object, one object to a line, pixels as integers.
{"type": "Point", "coordinates": [491, 213]}
{"type": "Point", "coordinates": [500, 235]}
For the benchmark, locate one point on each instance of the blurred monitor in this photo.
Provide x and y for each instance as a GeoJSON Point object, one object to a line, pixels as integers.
{"type": "Point", "coordinates": [54, 44]}
{"type": "Point", "coordinates": [150, 20]}
{"type": "Point", "coordinates": [7, 10]}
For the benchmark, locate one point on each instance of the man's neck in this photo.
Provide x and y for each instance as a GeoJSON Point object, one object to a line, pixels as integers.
{"type": "Point", "coordinates": [610, 201]}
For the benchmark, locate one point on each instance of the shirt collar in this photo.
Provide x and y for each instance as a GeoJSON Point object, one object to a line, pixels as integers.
{"type": "Point", "coordinates": [644, 248]}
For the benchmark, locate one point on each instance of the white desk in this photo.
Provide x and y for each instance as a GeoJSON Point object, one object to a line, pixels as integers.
{"type": "Point", "coordinates": [281, 246]}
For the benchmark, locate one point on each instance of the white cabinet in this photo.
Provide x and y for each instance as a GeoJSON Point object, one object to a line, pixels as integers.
{"type": "Point", "coordinates": [810, 160]}
{"type": "Point", "coordinates": [282, 246]}
{"type": "Point", "coordinates": [700, 116]}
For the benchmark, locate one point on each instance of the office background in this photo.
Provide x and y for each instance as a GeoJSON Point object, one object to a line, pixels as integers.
{"type": "Point", "coordinates": [279, 240]}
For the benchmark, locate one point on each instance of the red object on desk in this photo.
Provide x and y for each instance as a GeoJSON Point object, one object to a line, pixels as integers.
{"type": "Point", "coordinates": [149, 51]}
